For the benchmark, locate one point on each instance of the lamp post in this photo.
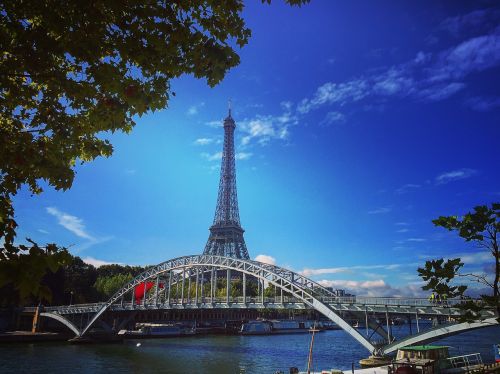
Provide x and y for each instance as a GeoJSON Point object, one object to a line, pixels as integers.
{"type": "Point", "coordinates": [70, 297]}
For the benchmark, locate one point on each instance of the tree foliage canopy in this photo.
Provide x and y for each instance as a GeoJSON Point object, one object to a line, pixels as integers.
{"type": "Point", "coordinates": [482, 227]}
{"type": "Point", "coordinates": [73, 71]}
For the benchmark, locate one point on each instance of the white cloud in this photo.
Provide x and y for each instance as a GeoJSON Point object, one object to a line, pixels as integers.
{"type": "Point", "coordinates": [194, 109]}
{"type": "Point", "coordinates": [382, 210]}
{"type": "Point", "coordinates": [374, 288]}
{"type": "Point", "coordinates": [95, 262]}
{"type": "Point", "coordinates": [475, 54]}
{"type": "Point", "coordinates": [71, 223]}
{"type": "Point", "coordinates": [203, 141]}
{"type": "Point", "coordinates": [265, 259]}
{"type": "Point", "coordinates": [263, 129]}
{"type": "Point", "coordinates": [407, 187]}
{"type": "Point", "coordinates": [483, 104]}
{"type": "Point", "coordinates": [333, 117]}
{"type": "Point", "coordinates": [349, 269]}
{"type": "Point", "coordinates": [243, 155]}
{"type": "Point", "coordinates": [477, 20]}
{"type": "Point", "coordinates": [403, 230]}
{"type": "Point", "coordinates": [432, 77]}
{"type": "Point", "coordinates": [212, 157]}
{"type": "Point", "coordinates": [476, 258]}
{"type": "Point", "coordinates": [441, 91]}
{"type": "Point", "coordinates": [416, 240]}
{"type": "Point", "coordinates": [454, 175]}
{"type": "Point", "coordinates": [332, 93]}
{"type": "Point", "coordinates": [216, 123]}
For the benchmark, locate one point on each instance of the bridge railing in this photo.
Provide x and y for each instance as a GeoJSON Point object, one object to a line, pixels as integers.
{"type": "Point", "coordinates": [354, 300]}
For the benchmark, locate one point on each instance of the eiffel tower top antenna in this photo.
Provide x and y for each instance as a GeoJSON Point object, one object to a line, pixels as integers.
{"type": "Point", "coordinates": [229, 106]}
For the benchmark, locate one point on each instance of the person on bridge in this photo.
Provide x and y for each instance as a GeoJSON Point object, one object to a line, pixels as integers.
{"type": "Point", "coordinates": [432, 298]}
{"type": "Point", "coordinates": [445, 299]}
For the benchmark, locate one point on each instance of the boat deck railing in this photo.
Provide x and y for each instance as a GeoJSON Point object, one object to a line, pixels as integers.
{"type": "Point", "coordinates": [469, 360]}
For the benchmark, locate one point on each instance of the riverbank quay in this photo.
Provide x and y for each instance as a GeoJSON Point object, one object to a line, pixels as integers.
{"type": "Point", "coordinates": [32, 337]}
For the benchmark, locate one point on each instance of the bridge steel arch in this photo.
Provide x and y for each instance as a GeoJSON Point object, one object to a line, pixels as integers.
{"type": "Point", "coordinates": [63, 320]}
{"type": "Point", "coordinates": [306, 290]}
{"type": "Point", "coordinates": [438, 333]}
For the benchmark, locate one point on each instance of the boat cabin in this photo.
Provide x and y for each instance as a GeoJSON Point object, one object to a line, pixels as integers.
{"type": "Point", "coordinates": [420, 359]}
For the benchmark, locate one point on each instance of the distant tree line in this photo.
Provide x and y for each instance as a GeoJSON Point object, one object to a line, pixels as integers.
{"type": "Point", "coordinates": [76, 282]}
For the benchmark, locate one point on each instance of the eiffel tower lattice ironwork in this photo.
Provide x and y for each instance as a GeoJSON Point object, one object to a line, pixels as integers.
{"type": "Point", "coordinates": [226, 234]}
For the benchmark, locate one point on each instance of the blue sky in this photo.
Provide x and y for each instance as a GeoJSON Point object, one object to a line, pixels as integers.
{"type": "Point", "coordinates": [357, 124]}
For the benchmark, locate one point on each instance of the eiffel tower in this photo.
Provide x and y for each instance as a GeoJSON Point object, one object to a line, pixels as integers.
{"type": "Point", "coordinates": [226, 234]}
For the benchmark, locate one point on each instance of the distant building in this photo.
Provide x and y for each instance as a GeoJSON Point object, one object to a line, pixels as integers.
{"type": "Point", "coordinates": [340, 292]}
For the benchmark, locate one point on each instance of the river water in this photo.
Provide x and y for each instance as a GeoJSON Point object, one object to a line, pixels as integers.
{"type": "Point", "coordinates": [213, 354]}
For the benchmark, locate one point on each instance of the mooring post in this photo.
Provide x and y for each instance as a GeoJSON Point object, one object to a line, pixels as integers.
{"type": "Point", "coordinates": [36, 319]}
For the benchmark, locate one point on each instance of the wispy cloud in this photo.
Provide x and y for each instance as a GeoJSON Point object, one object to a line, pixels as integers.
{"type": "Point", "coordinates": [194, 109]}
{"type": "Point", "coordinates": [479, 20]}
{"type": "Point", "coordinates": [428, 76]}
{"type": "Point", "coordinates": [349, 269]}
{"type": "Point", "coordinates": [266, 259]}
{"type": "Point", "coordinates": [440, 92]}
{"type": "Point", "coordinates": [483, 104]}
{"type": "Point", "coordinates": [403, 230]}
{"type": "Point", "coordinates": [215, 123]}
{"type": "Point", "coordinates": [97, 263]}
{"type": "Point", "coordinates": [203, 141]}
{"type": "Point", "coordinates": [333, 117]}
{"type": "Point", "coordinates": [416, 240]}
{"type": "Point", "coordinates": [407, 187]}
{"type": "Point", "coordinates": [382, 210]}
{"type": "Point", "coordinates": [335, 93]}
{"type": "Point", "coordinates": [211, 156]}
{"type": "Point", "coordinates": [374, 288]}
{"type": "Point", "coordinates": [454, 175]}
{"type": "Point", "coordinates": [43, 231]}
{"type": "Point", "coordinates": [243, 155]}
{"type": "Point", "coordinates": [71, 223]}
{"type": "Point", "coordinates": [263, 129]}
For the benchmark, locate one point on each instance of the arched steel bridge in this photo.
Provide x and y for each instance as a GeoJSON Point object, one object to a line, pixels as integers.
{"type": "Point", "coordinates": [162, 282]}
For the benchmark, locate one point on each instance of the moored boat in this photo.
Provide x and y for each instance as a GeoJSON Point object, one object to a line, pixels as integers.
{"type": "Point", "coordinates": [157, 330]}
{"type": "Point", "coordinates": [256, 328]}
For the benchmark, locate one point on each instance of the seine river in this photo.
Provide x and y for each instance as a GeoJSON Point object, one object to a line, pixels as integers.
{"type": "Point", "coordinates": [213, 354]}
